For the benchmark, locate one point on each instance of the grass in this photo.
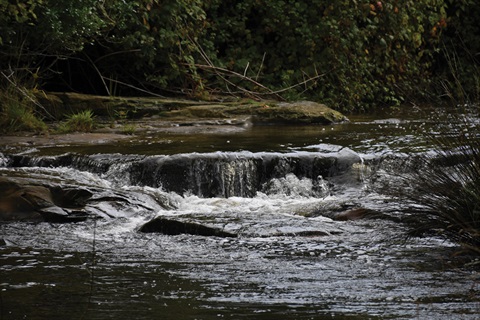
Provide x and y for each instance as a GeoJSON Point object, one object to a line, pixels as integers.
{"type": "Point", "coordinates": [83, 121]}
{"type": "Point", "coordinates": [129, 129]}
{"type": "Point", "coordinates": [440, 191]}
{"type": "Point", "coordinates": [18, 113]}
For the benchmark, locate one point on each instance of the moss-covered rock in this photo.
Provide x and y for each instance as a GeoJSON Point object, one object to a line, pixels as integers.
{"type": "Point", "coordinates": [303, 112]}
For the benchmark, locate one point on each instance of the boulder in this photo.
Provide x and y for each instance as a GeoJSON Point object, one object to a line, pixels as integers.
{"type": "Point", "coordinates": [360, 214]}
{"type": "Point", "coordinates": [20, 201]}
{"type": "Point", "coordinates": [303, 112]}
{"type": "Point", "coordinates": [175, 227]}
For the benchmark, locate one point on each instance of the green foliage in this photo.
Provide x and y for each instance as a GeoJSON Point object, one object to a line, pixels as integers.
{"type": "Point", "coordinates": [352, 54]}
{"type": "Point", "coordinates": [35, 34]}
{"type": "Point", "coordinates": [129, 129]}
{"type": "Point", "coordinates": [151, 41]}
{"type": "Point", "coordinates": [459, 64]}
{"type": "Point", "coordinates": [17, 113]}
{"type": "Point", "coordinates": [79, 122]}
{"type": "Point", "coordinates": [368, 52]}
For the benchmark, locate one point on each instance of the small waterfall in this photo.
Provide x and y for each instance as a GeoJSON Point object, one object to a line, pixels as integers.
{"type": "Point", "coordinates": [217, 174]}
{"type": "Point", "coordinates": [3, 160]}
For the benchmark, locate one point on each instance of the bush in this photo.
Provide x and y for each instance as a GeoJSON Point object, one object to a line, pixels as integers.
{"type": "Point", "coordinates": [36, 34]}
{"type": "Point", "coordinates": [459, 60]}
{"type": "Point", "coordinates": [148, 46]}
{"type": "Point", "coordinates": [368, 52]}
{"type": "Point", "coordinates": [352, 55]}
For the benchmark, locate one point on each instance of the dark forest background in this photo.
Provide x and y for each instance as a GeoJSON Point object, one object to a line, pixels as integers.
{"type": "Point", "coordinates": [350, 54]}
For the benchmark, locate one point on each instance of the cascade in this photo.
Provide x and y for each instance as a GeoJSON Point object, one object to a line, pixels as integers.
{"type": "Point", "coordinates": [217, 174]}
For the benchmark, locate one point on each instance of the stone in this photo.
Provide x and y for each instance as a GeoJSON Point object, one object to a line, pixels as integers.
{"type": "Point", "coordinates": [20, 201]}
{"type": "Point", "coordinates": [303, 112]}
{"type": "Point", "coordinates": [175, 227]}
{"type": "Point", "coordinates": [360, 214]}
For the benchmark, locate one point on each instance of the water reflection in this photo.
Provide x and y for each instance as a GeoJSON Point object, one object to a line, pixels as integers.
{"type": "Point", "coordinates": [365, 274]}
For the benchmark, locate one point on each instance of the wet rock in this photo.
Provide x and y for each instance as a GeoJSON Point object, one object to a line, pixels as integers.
{"type": "Point", "coordinates": [20, 201]}
{"type": "Point", "coordinates": [359, 214]}
{"type": "Point", "coordinates": [70, 197]}
{"type": "Point", "coordinates": [174, 227]}
{"type": "Point", "coordinates": [304, 233]}
{"type": "Point", "coordinates": [302, 112]}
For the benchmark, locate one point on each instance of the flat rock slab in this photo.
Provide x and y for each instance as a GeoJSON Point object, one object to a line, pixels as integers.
{"type": "Point", "coordinates": [302, 112]}
{"type": "Point", "coordinates": [34, 195]}
{"type": "Point", "coordinates": [23, 201]}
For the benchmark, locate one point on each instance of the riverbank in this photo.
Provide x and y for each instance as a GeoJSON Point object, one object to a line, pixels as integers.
{"type": "Point", "coordinates": [119, 118]}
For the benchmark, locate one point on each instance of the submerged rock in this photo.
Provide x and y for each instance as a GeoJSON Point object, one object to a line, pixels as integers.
{"type": "Point", "coordinates": [174, 227]}
{"type": "Point", "coordinates": [360, 214]}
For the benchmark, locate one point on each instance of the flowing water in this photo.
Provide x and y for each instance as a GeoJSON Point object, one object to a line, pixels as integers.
{"type": "Point", "coordinates": [274, 187]}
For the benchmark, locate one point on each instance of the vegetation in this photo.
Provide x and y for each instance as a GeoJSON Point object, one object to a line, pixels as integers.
{"type": "Point", "coordinates": [349, 54]}
{"type": "Point", "coordinates": [79, 122]}
{"type": "Point", "coordinates": [17, 113]}
{"type": "Point", "coordinates": [441, 190]}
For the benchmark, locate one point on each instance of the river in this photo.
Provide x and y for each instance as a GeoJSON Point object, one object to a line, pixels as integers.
{"type": "Point", "coordinates": [274, 187]}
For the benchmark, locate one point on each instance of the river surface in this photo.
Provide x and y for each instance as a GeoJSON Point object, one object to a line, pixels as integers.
{"type": "Point", "coordinates": [106, 269]}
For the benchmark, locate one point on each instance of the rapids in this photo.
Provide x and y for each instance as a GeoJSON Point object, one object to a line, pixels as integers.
{"type": "Point", "coordinates": [275, 188]}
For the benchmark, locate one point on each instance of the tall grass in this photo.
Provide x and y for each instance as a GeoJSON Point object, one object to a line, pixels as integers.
{"type": "Point", "coordinates": [441, 189]}
{"type": "Point", "coordinates": [444, 186]}
{"type": "Point", "coordinates": [17, 113]}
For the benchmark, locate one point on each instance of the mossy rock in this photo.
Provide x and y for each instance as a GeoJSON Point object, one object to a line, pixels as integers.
{"type": "Point", "coordinates": [304, 112]}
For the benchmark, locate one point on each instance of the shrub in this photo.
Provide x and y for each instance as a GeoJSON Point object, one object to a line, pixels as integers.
{"type": "Point", "coordinates": [459, 59]}
{"type": "Point", "coordinates": [368, 52]}
{"type": "Point", "coordinates": [350, 54]}
{"type": "Point", "coordinates": [37, 34]}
